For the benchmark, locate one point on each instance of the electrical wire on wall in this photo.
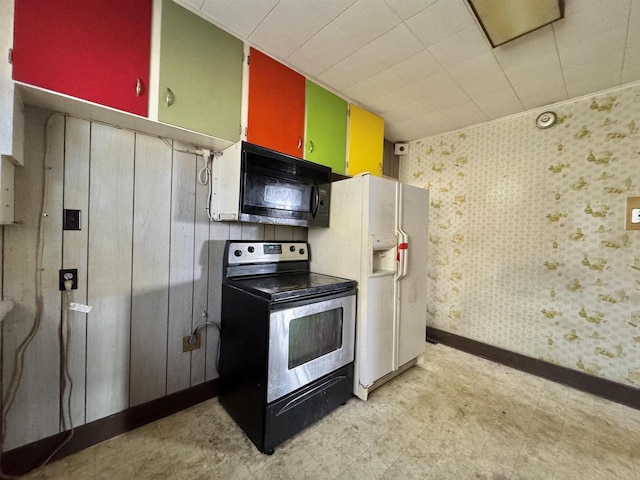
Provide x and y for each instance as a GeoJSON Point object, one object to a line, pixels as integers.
{"type": "Point", "coordinates": [19, 355]}
{"type": "Point", "coordinates": [194, 338]}
{"type": "Point", "coordinates": [204, 174]}
{"type": "Point", "coordinates": [8, 399]}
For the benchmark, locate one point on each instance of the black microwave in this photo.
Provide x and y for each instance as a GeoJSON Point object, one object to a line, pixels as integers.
{"type": "Point", "coordinates": [254, 184]}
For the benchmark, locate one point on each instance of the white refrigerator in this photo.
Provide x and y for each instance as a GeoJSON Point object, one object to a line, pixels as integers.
{"type": "Point", "coordinates": [378, 236]}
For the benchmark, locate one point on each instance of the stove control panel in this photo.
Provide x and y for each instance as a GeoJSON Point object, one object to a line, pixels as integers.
{"type": "Point", "coordinates": [247, 252]}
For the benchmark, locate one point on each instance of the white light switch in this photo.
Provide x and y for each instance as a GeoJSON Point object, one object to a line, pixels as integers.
{"type": "Point", "coordinates": [635, 215]}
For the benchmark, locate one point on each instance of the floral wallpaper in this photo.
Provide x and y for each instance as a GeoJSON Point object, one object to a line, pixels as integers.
{"type": "Point", "coordinates": [528, 247]}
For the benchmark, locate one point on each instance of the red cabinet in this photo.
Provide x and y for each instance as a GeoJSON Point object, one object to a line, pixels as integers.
{"type": "Point", "coordinates": [276, 105]}
{"type": "Point", "coordinates": [93, 50]}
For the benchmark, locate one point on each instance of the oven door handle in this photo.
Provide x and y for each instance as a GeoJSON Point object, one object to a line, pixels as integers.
{"type": "Point", "coordinates": [315, 200]}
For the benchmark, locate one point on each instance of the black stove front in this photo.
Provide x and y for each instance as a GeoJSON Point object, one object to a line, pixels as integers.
{"type": "Point", "coordinates": [287, 340]}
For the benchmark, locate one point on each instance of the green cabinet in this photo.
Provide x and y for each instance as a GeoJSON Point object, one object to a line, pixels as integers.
{"type": "Point", "coordinates": [326, 128]}
{"type": "Point", "coordinates": [200, 74]}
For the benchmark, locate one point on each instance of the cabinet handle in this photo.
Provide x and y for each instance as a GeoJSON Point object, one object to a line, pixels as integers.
{"type": "Point", "coordinates": [138, 87]}
{"type": "Point", "coordinates": [169, 98]}
{"type": "Point", "coordinates": [310, 146]}
{"type": "Point", "coordinates": [299, 142]}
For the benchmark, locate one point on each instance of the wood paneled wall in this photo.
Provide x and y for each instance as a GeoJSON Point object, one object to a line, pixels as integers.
{"type": "Point", "coordinates": [149, 263]}
{"type": "Point", "coordinates": [391, 161]}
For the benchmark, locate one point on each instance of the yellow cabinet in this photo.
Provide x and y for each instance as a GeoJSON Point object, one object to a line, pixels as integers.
{"type": "Point", "coordinates": [366, 142]}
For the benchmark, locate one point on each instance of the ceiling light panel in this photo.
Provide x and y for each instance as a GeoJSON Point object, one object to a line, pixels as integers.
{"type": "Point", "coordinates": [505, 20]}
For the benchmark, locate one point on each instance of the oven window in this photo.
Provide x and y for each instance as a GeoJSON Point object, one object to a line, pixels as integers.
{"type": "Point", "coordinates": [313, 336]}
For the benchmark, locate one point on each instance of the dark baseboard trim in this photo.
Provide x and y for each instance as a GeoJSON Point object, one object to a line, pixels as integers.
{"type": "Point", "coordinates": [23, 459]}
{"type": "Point", "coordinates": [616, 392]}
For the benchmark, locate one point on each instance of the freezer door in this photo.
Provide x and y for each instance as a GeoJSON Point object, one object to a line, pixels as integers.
{"type": "Point", "coordinates": [411, 309]}
{"type": "Point", "coordinates": [375, 331]}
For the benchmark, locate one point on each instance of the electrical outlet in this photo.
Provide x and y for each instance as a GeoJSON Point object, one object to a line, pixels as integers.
{"type": "Point", "coordinates": [68, 274]}
{"type": "Point", "coordinates": [187, 347]}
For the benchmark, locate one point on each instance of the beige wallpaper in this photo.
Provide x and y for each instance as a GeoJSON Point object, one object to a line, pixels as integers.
{"type": "Point", "coordinates": [527, 244]}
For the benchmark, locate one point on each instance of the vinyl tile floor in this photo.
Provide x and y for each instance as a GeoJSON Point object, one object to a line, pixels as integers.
{"type": "Point", "coordinates": [453, 416]}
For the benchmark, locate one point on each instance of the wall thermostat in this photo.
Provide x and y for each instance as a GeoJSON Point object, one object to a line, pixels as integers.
{"type": "Point", "coordinates": [546, 120]}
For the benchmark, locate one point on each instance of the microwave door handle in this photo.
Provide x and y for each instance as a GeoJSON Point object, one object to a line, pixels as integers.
{"type": "Point", "coordinates": [315, 200]}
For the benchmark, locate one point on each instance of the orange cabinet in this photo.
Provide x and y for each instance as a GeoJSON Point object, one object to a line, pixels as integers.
{"type": "Point", "coordinates": [276, 105]}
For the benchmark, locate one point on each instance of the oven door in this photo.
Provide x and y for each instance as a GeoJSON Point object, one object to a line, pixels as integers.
{"type": "Point", "coordinates": [309, 340]}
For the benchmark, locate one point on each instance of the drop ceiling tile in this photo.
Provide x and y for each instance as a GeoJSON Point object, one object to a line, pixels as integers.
{"type": "Point", "coordinates": [578, 84]}
{"type": "Point", "coordinates": [631, 66]}
{"type": "Point", "coordinates": [434, 84]}
{"type": "Point", "coordinates": [535, 44]}
{"type": "Point", "coordinates": [397, 98]}
{"type": "Point", "coordinates": [410, 111]}
{"type": "Point", "coordinates": [384, 103]}
{"type": "Point", "coordinates": [394, 46]}
{"type": "Point", "coordinates": [408, 8]}
{"type": "Point", "coordinates": [471, 70]}
{"type": "Point", "coordinates": [541, 90]}
{"type": "Point", "coordinates": [288, 26]}
{"type": "Point", "coordinates": [500, 103]}
{"type": "Point", "coordinates": [574, 6]}
{"type": "Point", "coordinates": [366, 20]}
{"type": "Point", "coordinates": [332, 8]}
{"type": "Point", "coordinates": [404, 73]}
{"type": "Point", "coordinates": [591, 22]}
{"type": "Point", "coordinates": [420, 65]}
{"type": "Point", "coordinates": [487, 85]}
{"type": "Point", "coordinates": [396, 116]}
{"type": "Point", "coordinates": [353, 69]}
{"type": "Point", "coordinates": [441, 20]}
{"type": "Point", "coordinates": [586, 70]}
{"type": "Point", "coordinates": [374, 86]}
{"type": "Point", "coordinates": [435, 122]}
{"type": "Point", "coordinates": [391, 133]}
{"type": "Point", "coordinates": [239, 16]}
{"type": "Point", "coordinates": [633, 38]}
{"type": "Point", "coordinates": [412, 92]}
{"type": "Point", "coordinates": [453, 95]}
{"type": "Point", "coordinates": [536, 67]}
{"type": "Point", "coordinates": [325, 49]}
{"type": "Point", "coordinates": [595, 75]}
{"type": "Point", "coordinates": [592, 51]}
{"type": "Point", "coordinates": [195, 4]}
{"type": "Point", "coordinates": [464, 114]}
{"type": "Point", "coordinates": [419, 127]}
{"type": "Point", "coordinates": [416, 109]}
{"type": "Point", "coordinates": [460, 47]}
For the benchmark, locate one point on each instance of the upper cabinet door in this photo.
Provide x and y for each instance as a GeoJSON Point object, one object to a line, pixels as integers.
{"type": "Point", "coordinates": [326, 134]}
{"type": "Point", "coordinates": [366, 141]}
{"type": "Point", "coordinates": [200, 74]}
{"type": "Point", "coordinates": [94, 50]}
{"type": "Point", "coordinates": [276, 105]}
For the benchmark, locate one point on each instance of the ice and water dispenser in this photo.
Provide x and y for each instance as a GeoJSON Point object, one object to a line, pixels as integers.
{"type": "Point", "coordinates": [383, 255]}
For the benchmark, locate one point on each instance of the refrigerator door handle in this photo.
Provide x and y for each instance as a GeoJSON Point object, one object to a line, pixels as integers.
{"type": "Point", "coordinates": [405, 253]}
{"type": "Point", "coordinates": [403, 244]}
{"type": "Point", "coordinates": [402, 249]}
